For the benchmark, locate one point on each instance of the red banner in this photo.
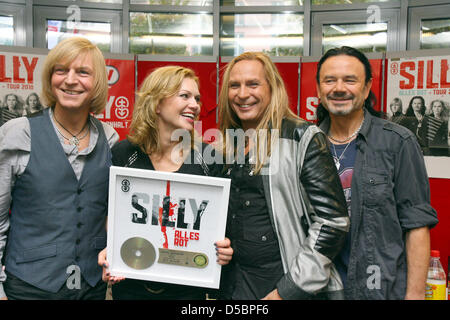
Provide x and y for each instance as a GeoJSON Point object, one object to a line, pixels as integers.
{"type": "Point", "coordinates": [289, 73]}
{"type": "Point", "coordinates": [206, 72]}
{"type": "Point", "coordinates": [440, 237]}
{"type": "Point", "coordinates": [119, 109]}
{"type": "Point", "coordinates": [308, 93]}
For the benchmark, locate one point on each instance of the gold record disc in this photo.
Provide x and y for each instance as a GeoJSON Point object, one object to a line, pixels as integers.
{"type": "Point", "coordinates": [138, 253]}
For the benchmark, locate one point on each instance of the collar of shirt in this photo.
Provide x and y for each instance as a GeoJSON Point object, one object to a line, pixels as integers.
{"type": "Point", "coordinates": [71, 149]}
{"type": "Point", "coordinates": [363, 133]}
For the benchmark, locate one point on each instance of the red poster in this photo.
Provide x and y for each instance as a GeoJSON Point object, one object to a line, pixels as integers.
{"type": "Point", "coordinates": [418, 98]}
{"type": "Point", "coordinates": [289, 73]}
{"type": "Point", "coordinates": [308, 94]}
{"type": "Point", "coordinates": [206, 72]}
{"type": "Point", "coordinates": [377, 75]}
{"type": "Point", "coordinates": [309, 100]}
{"type": "Point", "coordinates": [440, 201]}
{"type": "Point", "coordinates": [119, 108]}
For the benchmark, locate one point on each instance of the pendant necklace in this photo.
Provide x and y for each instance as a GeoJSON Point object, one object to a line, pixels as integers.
{"type": "Point", "coordinates": [350, 137]}
{"type": "Point", "coordinates": [337, 160]}
{"type": "Point", "coordinates": [74, 141]}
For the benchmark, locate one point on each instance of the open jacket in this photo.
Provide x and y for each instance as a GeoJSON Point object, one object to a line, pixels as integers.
{"type": "Point", "coordinates": [307, 209]}
{"type": "Point", "coordinates": [390, 197]}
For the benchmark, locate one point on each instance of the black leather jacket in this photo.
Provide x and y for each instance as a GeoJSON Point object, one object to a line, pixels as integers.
{"type": "Point", "coordinates": [307, 209]}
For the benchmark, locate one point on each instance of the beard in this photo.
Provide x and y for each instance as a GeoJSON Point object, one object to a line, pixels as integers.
{"type": "Point", "coordinates": [342, 111]}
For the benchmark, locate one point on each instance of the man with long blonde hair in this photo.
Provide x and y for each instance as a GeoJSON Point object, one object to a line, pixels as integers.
{"type": "Point", "coordinates": [287, 215]}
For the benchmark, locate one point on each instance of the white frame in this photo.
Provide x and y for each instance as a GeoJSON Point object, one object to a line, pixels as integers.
{"type": "Point", "coordinates": [215, 189]}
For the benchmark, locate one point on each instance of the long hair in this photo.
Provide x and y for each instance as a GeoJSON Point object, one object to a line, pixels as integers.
{"type": "Point", "coordinates": [445, 112]}
{"type": "Point", "coordinates": [162, 83]}
{"type": "Point", "coordinates": [272, 116]}
{"type": "Point", "coordinates": [18, 106]}
{"type": "Point", "coordinates": [410, 110]}
{"type": "Point", "coordinates": [66, 52]}
{"type": "Point", "coordinates": [38, 104]}
{"type": "Point", "coordinates": [370, 102]}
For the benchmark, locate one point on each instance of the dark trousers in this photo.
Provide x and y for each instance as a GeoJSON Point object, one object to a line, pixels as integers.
{"type": "Point", "coordinates": [131, 289]}
{"type": "Point", "coordinates": [17, 289]}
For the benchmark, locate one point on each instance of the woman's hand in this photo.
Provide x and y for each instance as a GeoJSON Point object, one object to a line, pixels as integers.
{"type": "Point", "coordinates": [273, 295]}
{"type": "Point", "coordinates": [224, 251]}
{"type": "Point", "coordinates": [106, 276]}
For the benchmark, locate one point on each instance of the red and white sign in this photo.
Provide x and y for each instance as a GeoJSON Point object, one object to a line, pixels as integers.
{"type": "Point", "coordinates": [21, 86]}
{"type": "Point", "coordinates": [424, 80]}
{"type": "Point", "coordinates": [119, 109]}
{"type": "Point", "coordinates": [207, 74]}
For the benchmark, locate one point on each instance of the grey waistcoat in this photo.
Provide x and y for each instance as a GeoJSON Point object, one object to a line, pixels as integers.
{"type": "Point", "coordinates": [58, 222]}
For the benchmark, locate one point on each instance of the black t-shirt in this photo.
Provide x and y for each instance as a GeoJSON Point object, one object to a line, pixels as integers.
{"type": "Point", "coordinates": [256, 267]}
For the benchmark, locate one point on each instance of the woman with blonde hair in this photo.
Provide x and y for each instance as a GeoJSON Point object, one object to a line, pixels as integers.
{"type": "Point", "coordinates": [287, 215]}
{"type": "Point", "coordinates": [55, 170]}
{"type": "Point", "coordinates": [168, 104]}
{"type": "Point", "coordinates": [396, 107]}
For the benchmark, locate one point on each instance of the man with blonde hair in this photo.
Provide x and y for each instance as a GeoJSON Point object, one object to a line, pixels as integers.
{"type": "Point", "coordinates": [287, 216]}
{"type": "Point", "coordinates": [54, 168]}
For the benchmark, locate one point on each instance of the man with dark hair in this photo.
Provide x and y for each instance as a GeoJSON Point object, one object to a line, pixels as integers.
{"type": "Point", "coordinates": [383, 174]}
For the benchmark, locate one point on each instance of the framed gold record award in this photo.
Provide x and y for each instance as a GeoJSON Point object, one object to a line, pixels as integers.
{"type": "Point", "coordinates": [162, 226]}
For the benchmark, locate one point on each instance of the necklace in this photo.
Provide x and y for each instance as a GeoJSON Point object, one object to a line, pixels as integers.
{"type": "Point", "coordinates": [350, 137]}
{"type": "Point", "coordinates": [74, 141]}
{"type": "Point", "coordinates": [337, 160]}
